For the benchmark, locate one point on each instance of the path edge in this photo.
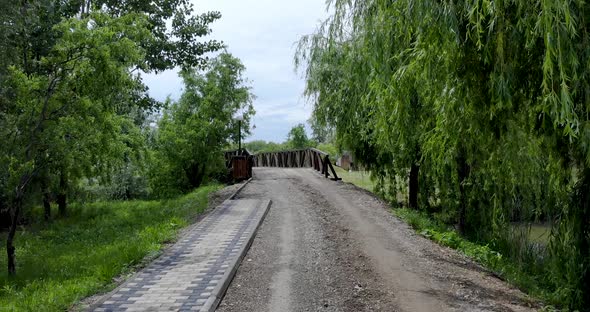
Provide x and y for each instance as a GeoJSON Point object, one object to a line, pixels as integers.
{"type": "Point", "coordinates": [219, 291]}
{"type": "Point", "coordinates": [233, 196]}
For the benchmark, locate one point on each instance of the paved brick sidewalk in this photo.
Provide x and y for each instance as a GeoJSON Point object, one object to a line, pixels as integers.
{"type": "Point", "coordinates": [194, 273]}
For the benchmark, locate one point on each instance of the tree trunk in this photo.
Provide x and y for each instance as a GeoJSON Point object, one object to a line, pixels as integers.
{"type": "Point", "coordinates": [46, 199]}
{"type": "Point", "coordinates": [5, 218]}
{"type": "Point", "coordinates": [201, 176]}
{"type": "Point", "coordinates": [195, 174]}
{"type": "Point", "coordinates": [10, 239]}
{"type": "Point", "coordinates": [580, 223]}
{"type": "Point", "coordinates": [62, 203]}
{"type": "Point", "coordinates": [414, 185]}
{"type": "Point", "coordinates": [46, 206]}
{"type": "Point", "coordinates": [463, 174]}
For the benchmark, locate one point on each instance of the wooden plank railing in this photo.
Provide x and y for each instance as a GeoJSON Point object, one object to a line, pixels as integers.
{"type": "Point", "coordinates": [303, 158]}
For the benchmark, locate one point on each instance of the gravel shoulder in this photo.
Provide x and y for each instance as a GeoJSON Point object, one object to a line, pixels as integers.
{"type": "Point", "coordinates": [329, 246]}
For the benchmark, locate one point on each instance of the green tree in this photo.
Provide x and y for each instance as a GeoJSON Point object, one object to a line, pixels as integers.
{"type": "Point", "coordinates": [320, 133]}
{"type": "Point", "coordinates": [297, 138]}
{"type": "Point", "coordinates": [193, 131]}
{"type": "Point", "coordinates": [67, 113]}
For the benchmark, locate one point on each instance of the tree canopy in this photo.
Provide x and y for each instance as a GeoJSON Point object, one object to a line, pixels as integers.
{"type": "Point", "coordinates": [297, 138]}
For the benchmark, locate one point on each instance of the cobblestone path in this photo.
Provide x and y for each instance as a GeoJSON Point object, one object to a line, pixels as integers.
{"type": "Point", "coordinates": [194, 273]}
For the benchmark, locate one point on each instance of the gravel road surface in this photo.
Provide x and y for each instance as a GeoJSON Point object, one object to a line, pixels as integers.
{"type": "Point", "coordinates": [330, 246]}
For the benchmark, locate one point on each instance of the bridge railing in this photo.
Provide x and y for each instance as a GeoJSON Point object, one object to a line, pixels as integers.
{"type": "Point", "coordinates": [302, 158]}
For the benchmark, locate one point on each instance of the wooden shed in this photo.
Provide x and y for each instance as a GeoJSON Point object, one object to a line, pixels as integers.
{"type": "Point", "coordinates": [240, 163]}
{"type": "Point", "coordinates": [344, 161]}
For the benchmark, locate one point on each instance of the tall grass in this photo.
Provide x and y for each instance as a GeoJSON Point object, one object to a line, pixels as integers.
{"type": "Point", "coordinates": [71, 258]}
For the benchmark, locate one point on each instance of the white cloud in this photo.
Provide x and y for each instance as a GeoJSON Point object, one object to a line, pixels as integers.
{"type": "Point", "coordinates": [262, 33]}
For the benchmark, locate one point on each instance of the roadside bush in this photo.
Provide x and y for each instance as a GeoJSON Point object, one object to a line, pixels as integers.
{"type": "Point", "coordinates": [128, 183]}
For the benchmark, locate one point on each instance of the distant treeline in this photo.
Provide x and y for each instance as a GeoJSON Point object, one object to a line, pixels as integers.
{"type": "Point", "coordinates": [296, 139]}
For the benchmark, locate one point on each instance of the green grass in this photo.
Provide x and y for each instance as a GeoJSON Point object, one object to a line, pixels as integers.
{"type": "Point", "coordinates": [361, 179]}
{"type": "Point", "coordinates": [62, 262]}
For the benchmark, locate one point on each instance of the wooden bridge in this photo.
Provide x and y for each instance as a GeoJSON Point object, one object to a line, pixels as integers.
{"type": "Point", "coordinates": [241, 162]}
{"type": "Point", "coordinates": [303, 158]}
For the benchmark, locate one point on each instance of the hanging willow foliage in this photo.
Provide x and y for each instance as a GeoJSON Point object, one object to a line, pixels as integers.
{"type": "Point", "coordinates": [479, 107]}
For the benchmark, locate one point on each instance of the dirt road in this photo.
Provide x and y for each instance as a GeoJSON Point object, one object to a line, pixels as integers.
{"type": "Point", "coordinates": [329, 246]}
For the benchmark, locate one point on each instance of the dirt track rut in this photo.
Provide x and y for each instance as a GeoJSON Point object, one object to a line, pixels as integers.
{"type": "Point", "coordinates": [329, 246]}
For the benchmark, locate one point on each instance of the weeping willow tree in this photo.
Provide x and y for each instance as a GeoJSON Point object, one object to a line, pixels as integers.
{"type": "Point", "coordinates": [479, 108]}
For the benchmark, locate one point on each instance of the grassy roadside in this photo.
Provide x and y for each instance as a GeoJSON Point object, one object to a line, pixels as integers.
{"type": "Point", "coordinates": [483, 254]}
{"type": "Point", "coordinates": [69, 259]}
{"type": "Point", "coordinates": [361, 179]}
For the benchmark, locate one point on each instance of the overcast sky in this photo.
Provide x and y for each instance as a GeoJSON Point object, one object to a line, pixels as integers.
{"type": "Point", "coordinates": [263, 34]}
